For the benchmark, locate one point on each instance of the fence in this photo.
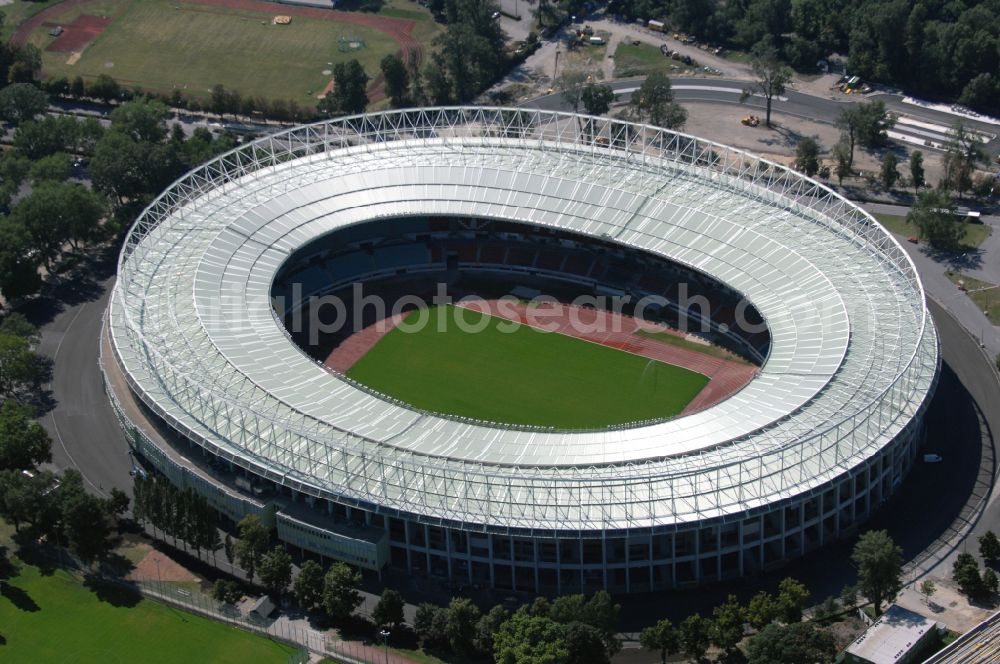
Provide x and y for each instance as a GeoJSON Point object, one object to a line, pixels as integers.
{"type": "Point", "coordinates": [289, 628]}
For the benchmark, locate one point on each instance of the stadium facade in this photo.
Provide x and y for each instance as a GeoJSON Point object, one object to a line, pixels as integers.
{"type": "Point", "coordinates": [212, 392]}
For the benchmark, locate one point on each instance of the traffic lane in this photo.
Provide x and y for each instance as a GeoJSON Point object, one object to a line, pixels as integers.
{"type": "Point", "coordinates": [792, 102]}
{"type": "Point", "coordinates": [84, 430]}
{"type": "Point", "coordinates": [960, 350]}
{"type": "Point", "coordinates": [716, 91]}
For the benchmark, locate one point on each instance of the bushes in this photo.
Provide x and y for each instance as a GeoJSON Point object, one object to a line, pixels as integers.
{"type": "Point", "coordinates": [221, 101]}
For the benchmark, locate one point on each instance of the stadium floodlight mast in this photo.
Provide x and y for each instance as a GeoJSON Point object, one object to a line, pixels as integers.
{"type": "Point", "coordinates": [853, 360]}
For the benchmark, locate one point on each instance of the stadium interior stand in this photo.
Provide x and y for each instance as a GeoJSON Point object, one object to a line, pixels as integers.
{"type": "Point", "coordinates": [488, 258]}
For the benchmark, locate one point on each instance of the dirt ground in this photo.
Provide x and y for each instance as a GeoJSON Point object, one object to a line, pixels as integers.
{"type": "Point", "coordinates": [156, 566]}
{"type": "Point", "coordinates": [721, 122]}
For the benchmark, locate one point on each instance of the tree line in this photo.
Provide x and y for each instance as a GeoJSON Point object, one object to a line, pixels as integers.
{"type": "Point", "coordinates": [128, 164]}
{"type": "Point", "coordinates": [930, 47]}
{"type": "Point", "coordinates": [42, 505]}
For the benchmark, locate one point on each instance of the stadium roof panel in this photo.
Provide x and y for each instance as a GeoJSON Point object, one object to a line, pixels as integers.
{"type": "Point", "coordinates": [852, 348]}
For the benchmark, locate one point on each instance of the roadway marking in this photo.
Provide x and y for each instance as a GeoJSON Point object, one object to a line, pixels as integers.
{"type": "Point", "coordinates": [952, 110]}
{"type": "Point", "coordinates": [707, 88]}
{"type": "Point", "coordinates": [55, 425]}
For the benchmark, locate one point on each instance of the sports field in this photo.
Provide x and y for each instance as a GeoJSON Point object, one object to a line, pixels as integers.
{"type": "Point", "coordinates": [523, 377]}
{"type": "Point", "coordinates": [165, 44]}
{"type": "Point", "coordinates": [55, 618]}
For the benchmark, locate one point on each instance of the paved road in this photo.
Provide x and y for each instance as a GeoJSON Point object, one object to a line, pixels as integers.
{"type": "Point", "coordinates": [798, 104]}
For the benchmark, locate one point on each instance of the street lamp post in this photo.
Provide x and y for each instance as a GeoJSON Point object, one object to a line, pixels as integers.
{"type": "Point", "coordinates": [385, 640]}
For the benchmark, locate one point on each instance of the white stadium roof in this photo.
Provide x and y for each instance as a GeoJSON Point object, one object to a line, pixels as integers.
{"type": "Point", "coordinates": [853, 353]}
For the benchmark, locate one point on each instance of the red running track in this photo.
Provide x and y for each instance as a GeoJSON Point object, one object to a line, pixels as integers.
{"type": "Point", "coordinates": [354, 347]}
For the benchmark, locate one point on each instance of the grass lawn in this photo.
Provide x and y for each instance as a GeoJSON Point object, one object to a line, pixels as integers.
{"type": "Point", "coordinates": [156, 46]}
{"type": "Point", "coordinates": [636, 60]}
{"type": "Point", "coordinates": [974, 233]}
{"type": "Point", "coordinates": [523, 376]}
{"type": "Point", "coordinates": [984, 294]}
{"type": "Point", "coordinates": [56, 619]}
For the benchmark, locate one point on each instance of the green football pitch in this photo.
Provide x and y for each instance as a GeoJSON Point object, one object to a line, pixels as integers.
{"type": "Point", "coordinates": [523, 376]}
{"type": "Point", "coordinates": [165, 44]}
{"type": "Point", "coordinates": [54, 618]}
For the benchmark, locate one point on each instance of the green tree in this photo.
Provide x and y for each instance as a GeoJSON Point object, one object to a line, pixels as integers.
{"type": "Point", "coordinates": [771, 78]}
{"type": "Point", "coordinates": [890, 170]}
{"type": "Point", "coordinates": [104, 88]}
{"type": "Point", "coordinates": [416, 91]}
{"type": "Point", "coordinates": [843, 158]}
{"type": "Point", "coordinates": [989, 547]}
{"type": "Point", "coordinates": [990, 581]}
{"type": "Point", "coordinates": [389, 609]}
{"type": "Point", "coordinates": [22, 101]}
{"type": "Point", "coordinates": [84, 518]}
{"type": "Point", "coordinates": [563, 609]}
{"type": "Point", "coordinates": [20, 368]}
{"type": "Point", "coordinates": [252, 544]}
{"type": "Point", "coordinates": [142, 120]}
{"type": "Point", "coordinates": [964, 151]}
{"type": "Point", "coordinates": [23, 442]}
{"type": "Point", "coordinates": [463, 617]}
{"type": "Point", "coordinates": [879, 561]}
{"type": "Point", "coordinates": [791, 644]}
{"type": "Point", "coordinates": [26, 499]}
{"type": "Point", "coordinates": [276, 570]}
{"type": "Point", "coordinates": [571, 84]}
{"type": "Point", "coordinates": [695, 636]}
{"type": "Point", "coordinates": [927, 588]}
{"type": "Point", "coordinates": [653, 102]}
{"type": "Point", "coordinates": [15, 324]}
{"type": "Point", "coordinates": [527, 639]}
{"type": "Point", "coordinates": [596, 100]}
{"type": "Point", "coordinates": [933, 215]}
{"type": "Point", "coordinates": [349, 95]}
{"type": "Point", "coordinates": [227, 591]}
{"type": "Point", "coordinates": [602, 613]}
{"type": "Point", "coordinates": [18, 261]}
{"type": "Point", "coordinates": [52, 168]}
{"type": "Point", "coordinates": [807, 156]}
{"type": "Point", "coordinates": [662, 636]}
{"type": "Point", "coordinates": [849, 596]}
{"type": "Point", "coordinates": [46, 136]}
{"type": "Point", "coordinates": [430, 624]}
{"type": "Point", "coordinates": [792, 597]}
{"type": "Point", "coordinates": [965, 573]}
{"type": "Point", "coordinates": [585, 644]}
{"type": "Point", "coordinates": [762, 610]}
{"type": "Point", "coordinates": [727, 624]}
{"type": "Point", "coordinates": [340, 592]}
{"type": "Point", "coordinates": [917, 170]}
{"type": "Point", "coordinates": [487, 628]}
{"type": "Point", "coordinates": [118, 502]}
{"type": "Point", "coordinates": [397, 80]}
{"type": "Point", "coordinates": [867, 124]}
{"type": "Point", "coordinates": [58, 212]}
{"type": "Point", "coordinates": [308, 585]}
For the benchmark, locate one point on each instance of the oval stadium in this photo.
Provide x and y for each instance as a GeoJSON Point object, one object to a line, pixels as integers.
{"type": "Point", "coordinates": [736, 373]}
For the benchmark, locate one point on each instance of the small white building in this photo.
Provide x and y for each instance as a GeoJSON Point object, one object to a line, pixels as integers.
{"type": "Point", "coordinates": [897, 637]}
